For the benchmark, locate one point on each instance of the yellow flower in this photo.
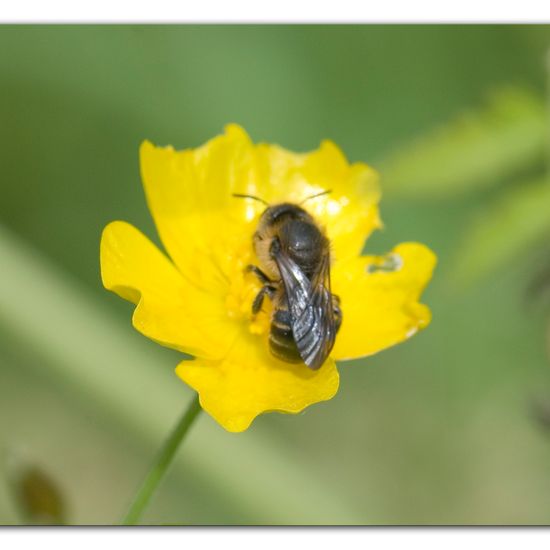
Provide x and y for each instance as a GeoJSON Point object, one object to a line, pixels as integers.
{"type": "Point", "coordinates": [198, 300]}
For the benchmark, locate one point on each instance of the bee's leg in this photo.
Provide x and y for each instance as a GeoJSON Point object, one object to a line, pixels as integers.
{"type": "Point", "coordinates": [337, 311]}
{"type": "Point", "coordinates": [264, 279]}
{"type": "Point", "coordinates": [259, 300]}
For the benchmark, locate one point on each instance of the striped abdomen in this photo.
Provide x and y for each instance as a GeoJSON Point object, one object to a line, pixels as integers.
{"type": "Point", "coordinates": [281, 339]}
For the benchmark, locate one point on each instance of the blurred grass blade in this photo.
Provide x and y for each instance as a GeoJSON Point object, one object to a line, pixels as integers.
{"type": "Point", "coordinates": [476, 150]}
{"type": "Point", "coordinates": [36, 495]}
{"type": "Point", "coordinates": [110, 367]}
{"type": "Point", "coordinates": [503, 230]}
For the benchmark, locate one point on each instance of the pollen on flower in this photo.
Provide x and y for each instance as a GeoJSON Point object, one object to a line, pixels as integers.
{"type": "Point", "coordinates": [243, 289]}
{"type": "Point", "coordinates": [258, 326]}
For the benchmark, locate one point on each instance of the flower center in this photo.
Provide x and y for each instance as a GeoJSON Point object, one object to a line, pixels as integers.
{"type": "Point", "coordinates": [244, 286]}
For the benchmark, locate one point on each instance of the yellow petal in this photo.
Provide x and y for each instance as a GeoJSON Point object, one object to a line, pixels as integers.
{"type": "Point", "coordinates": [190, 196]}
{"type": "Point", "coordinates": [349, 212]}
{"type": "Point", "coordinates": [380, 307]}
{"type": "Point", "coordinates": [250, 381]}
{"type": "Point", "coordinates": [169, 309]}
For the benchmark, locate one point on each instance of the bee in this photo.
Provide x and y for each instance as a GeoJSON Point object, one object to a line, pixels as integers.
{"type": "Point", "coordinates": [294, 258]}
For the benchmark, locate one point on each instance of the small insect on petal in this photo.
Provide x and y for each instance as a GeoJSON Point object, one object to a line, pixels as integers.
{"type": "Point", "coordinates": [388, 264]}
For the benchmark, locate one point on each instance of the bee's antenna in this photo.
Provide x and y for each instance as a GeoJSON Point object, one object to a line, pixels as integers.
{"type": "Point", "coordinates": [316, 195]}
{"type": "Point", "coordinates": [241, 196]}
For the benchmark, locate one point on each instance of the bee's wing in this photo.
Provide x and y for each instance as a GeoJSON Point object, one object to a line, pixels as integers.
{"type": "Point", "coordinates": [311, 310]}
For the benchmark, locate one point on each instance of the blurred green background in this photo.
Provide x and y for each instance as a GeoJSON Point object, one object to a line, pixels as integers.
{"type": "Point", "coordinates": [451, 427]}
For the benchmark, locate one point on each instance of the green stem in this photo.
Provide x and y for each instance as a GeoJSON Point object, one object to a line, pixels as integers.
{"type": "Point", "coordinates": [161, 464]}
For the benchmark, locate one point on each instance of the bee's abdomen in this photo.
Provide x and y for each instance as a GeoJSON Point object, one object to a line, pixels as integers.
{"type": "Point", "coordinates": [281, 339]}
